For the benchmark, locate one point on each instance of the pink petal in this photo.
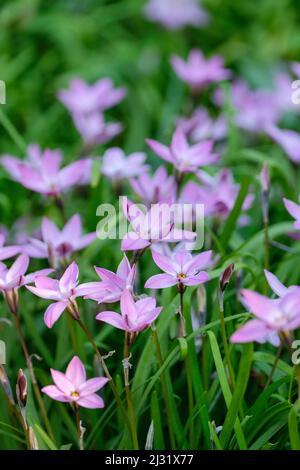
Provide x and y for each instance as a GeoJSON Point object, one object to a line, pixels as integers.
{"type": "Point", "coordinates": [292, 208]}
{"type": "Point", "coordinates": [164, 263]}
{"type": "Point", "coordinates": [72, 230]}
{"type": "Point", "coordinates": [18, 268]}
{"type": "Point", "coordinates": [44, 282]}
{"type": "Point", "coordinates": [200, 278]}
{"type": "Point", "coordinates": [61, 381]}
{"type": "Point", "coordinates": [111, 277]}
{"type": "Point", "coordinates": [50, 232]}
{"type": "Point", "coordinates": [159, 281]}
{"type": "Point", "coordinates": [258, 304]}
{"type": "Point", "coordinates": [198, 262]}
{"type": "Point", "coordinates": [128, 306]}
{"type": "Point", "coordinates": [53, 392]}
{"type": "Point", "coordinates": [112, 318]}
{"type": "Point", "coordinates": [9, 251]}
{"type": "Point", "coordinates": [253, 330]}
{"type": "Point", "coordinates": [160, 150]}
{"type": "Point", "coordinates": [53, 313]}
{"type": "Point", "coordinates": [75, 372]}
{"type": "Point", "coordinates": [124, 268]}
{"type": "Point", "coordinates": [92, 385]}
{"type": "Point", "coordinates": [69, 278]}
{"type": "Point", "coordinates": [92, 401]}
{"type": "Point", "coordinates": [275, 284]}
{"type": "Point", "coordinates": [44, 293]}
{"type": "Point", "coordinates": [131, 244]}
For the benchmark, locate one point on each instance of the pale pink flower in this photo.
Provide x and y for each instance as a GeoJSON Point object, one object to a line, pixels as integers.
{"type": "Point", "coordinates": [201, 126]}
{"type": "Point", "coordinates": [176, 14]}
{"type": "Point", "coordinates": [155, 189]}
{"type": "Point", "coordinates": [7, 251]}
{"type": "Point", "coordinates": [185, 158]}
{"type": "Point", "coordinates": [135, 316]}
{"type": "Point", "coordinates": [199, 72]}
{"type": "Point", "coordinates": [59, 244]}
{"type": "Point", "coordinates": [112, 285]}
{"type": "Point", "coordinates": [288, 140]}
{"type": "Point", "coordinates": [117, 166]}
{"type": "Point", "coordinates": [73, 387]}
{"type": "Point", "coordinates": [63, 292]}
{"type": "Point", "coordinates": [180, 269]}
{"type": "Point", "coordinates": [94, 130]}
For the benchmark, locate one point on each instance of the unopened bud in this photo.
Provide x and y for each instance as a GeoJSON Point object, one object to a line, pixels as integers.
{"type": "Point", "coordinates": [21, 389]}
{"type": "Point", "coordinates": [225, 277]}
{"type": "Point", "coordinates": [265, 178]}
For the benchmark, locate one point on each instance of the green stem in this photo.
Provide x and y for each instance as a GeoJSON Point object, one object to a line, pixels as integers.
{"type": "Point", "coordinates": [12, 131]}
{"type": "Point", "coordinates": [225, 341]}
{"type": "Point", "coordinates": [131, 413]}
{"type": "Point", "coordinates": [78, 427]}
{"type": "Point", "coordinates": [164, 387]}
{"type": "Point", "coordinates": [279, 350]}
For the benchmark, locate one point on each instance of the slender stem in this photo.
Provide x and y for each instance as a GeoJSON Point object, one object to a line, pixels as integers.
{"type": "Point", "coordinates": [266, 244]}
{"type": "Point", "coordinates": [78, 426]}
{"type": "Point", "coordinates": [181, 314]}
{"type": "Point", "coordinates": [106, 371]}
{"type": "Point", "coordinates": [12, 131]}
{"type": "Point", "coordinates": [32, 376]}
{"type": "Point", "coordinates": [131, 413]}
{"type": "Point", "coordinates": [164, 387]}
{"type": "Point", "coordinates": [225, 340]}
{"type": "Point", "coordinates": [279, 350]}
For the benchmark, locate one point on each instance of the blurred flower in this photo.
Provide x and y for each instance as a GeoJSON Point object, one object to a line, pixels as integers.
{"type": "Point", "coordinates": [73, 387]}
{"type": "Point", "coordinates": [181, 269]}
{"type": "Point", "coordinates": [58, 244]}
{"type": "Point", "coordinates": [273, 317]}
{"type": "Point", "coordinates": [265, 178]}
{"type": "Point", "coordinates": [294, 210]}
{"type": "Point", "coordinates": [174, 14]}
{"type": "Point", "coordinates": [111, 286]}
{"type": "Point", "coordinates": [201, 126]}
{"type": "Point", "coordinates": [14, 277]}
{"type": "Point", "coordinates": [156, 225]}
{"type": "Point", "coordinates": [135, 316]}
{"type": "Point", "coordinates": [41, 171]}
{"type": "Point", "coordinates": [198, 72]}
{"type": "Point", "coordinates": [185, 158]}
{"type": "Point", "coordinates": [117, 166]}
{"type": "Point", "coordinates": [288, 140]}
{"type": "Point", "coordinates": [217, 193]}
{"type": "Point", "coordinates": [64, 292]}
{"type": "Point", "coordinates": [82, 98]}
{"type": "Point", "coordinates": [94, 130]}
{"type": "Point", "coordinates": [277, 287]}
{"type": "Point", "coordinates": [155, 189]}
{"type": "Point", "coordinates": [7, 251]}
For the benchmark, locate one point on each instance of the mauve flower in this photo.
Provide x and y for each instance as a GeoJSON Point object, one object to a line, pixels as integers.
{"type": "Point", "coordinates": [185, 158]}
{"type": "Point", "coordinates": [73, 387]}
{"type": "Point", "coordinates": [59, 244]}
{"type": "Point", "coordinates": [94, 130]}
{"type": "Point", "coordinates": [63, 292]}
{"type": "Point", "coordinates": [42, 173]}
{"type": "Point", "coordinates": [273, 317]}
{"type": "Point", "coordinates": [82, 98]}
{"type": "Point", "coordinates": [156, 225]}
{"type": "Point", "coordinates": [294, 210]}
{"type": "Point", "coordinates": [199, 72]}
{"type": "Point", "coordinates": [277, 287]}
{"type": "Point", "coordinates": [288, 140]}
{"type": "Point", "coordinates": [112, 285]}
{"type": "Point", "coordinates": [201, 126]}
{"type": "Point", "coordinates": [156, 188]}
{"type": "Point", "coordinates": [180, 269]}
{"type": "Point", "coordinates": [7, 251]}
{"type": "Point", "coordinates": [11, 279]}
{"type": "Point", "coordinates": [217, 193]}
{"type": "Point", "coordinates": [117, 166]}
{"type": "Point", "coordinates": [174, 14]}
{"type": "Point", "coordinates": [135, 316]}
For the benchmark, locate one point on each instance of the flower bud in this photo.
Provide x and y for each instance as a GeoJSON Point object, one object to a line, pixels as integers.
{"type": "Point", "coordinates": [21, 389]}
{"type": "Point", "coordinates": [225, 277]}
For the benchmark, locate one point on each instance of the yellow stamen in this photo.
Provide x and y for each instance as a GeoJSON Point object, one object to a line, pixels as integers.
{"type": "Point", "coordinates": [74, 394]}
{"type": "Point", "coordinates": [181, 276]}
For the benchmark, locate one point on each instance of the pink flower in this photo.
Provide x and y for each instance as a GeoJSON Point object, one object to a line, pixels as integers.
{"type": "Point", "coordinates": [198, 72]}
{"type": "Point", "coordinates": [156, 225]}
{"type": "Point", "coordinates": [185, 158]}
{"type": "Point", "coordinates": [155, 189]}
{"type": "Point", "coordinates": [7, 251]}
{"type": "Point", "coordinates": [277, 287]}
{"type": "Point", "coordinates": [57, 244]}
{"type": "Point", "coordinates": [82, 98]}
{"type": "Point", "coordinates": [117, 166]}
{"type": "Point", "coordinates": [201, 126]}
{"type": "Point", "coordinates": [94, 130]}
{"type": "Point", "coordinates": [217, 193]}
{"type": "Point", "coordinates": [73, 387]}
{"type": "Point", "coordinates": [174, 14]}
{"type": "Point", "coordinates": [135, 316]}
{"type": "Point", "coordinates": [294, 210]}
{"type": "Point", "coordinates": [273, 317]}
{"type": "Point", "coordinates": [288, 140]}
{"type": "Point", "coordinates": [42, 173]}
{"type": "Point", "coordinates": [181, 269]}
{"type": "Point", "coordinates": [63, 292]}
{"type": "Point", "coordinates": [112, 285]}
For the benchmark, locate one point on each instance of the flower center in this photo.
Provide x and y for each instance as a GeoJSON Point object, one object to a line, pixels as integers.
{"type": "Point", "coordinates": [182, 276]}
{"type": "Point", "coordinates": [74, 394]}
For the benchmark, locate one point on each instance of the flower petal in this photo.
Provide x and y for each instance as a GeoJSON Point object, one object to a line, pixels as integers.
{"type": "Point", "coordinates": [76, 372]}
{"type": "Point", "coordinates": [53, 313]}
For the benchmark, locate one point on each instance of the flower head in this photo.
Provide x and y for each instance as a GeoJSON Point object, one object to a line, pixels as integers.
{"type": "Point", "coordinates": [181, 269]}
{"type": "Point", "coordinates": [174, 14]}
{"type": "Point", "coordinates": [155, 189]}
{"type": "Point", "coordinates": [201, 126]}
{"type": "Point", "coordinates": [135, 316]}
{"type": "Point", "coordinates": [112, 285]}
{"type": "Point", "coordinates": [288, 140]}
{"type": "Point", "coordinates": [185, 158]}
{"type": "Point", "coordinates": [94, 130]}
{"type": "Point", "coordinates": [198, 72]}
{"type": "Point", "coordinates": [59, 244]}
{"type": "Point", "coordinates": [273, 316]}
{"type": "Point", "coordinates": [73, 387]}
{"type": "Point", "coordinates": [116, 166]}
{"type": "Point", "coordinates": [63, 292]}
